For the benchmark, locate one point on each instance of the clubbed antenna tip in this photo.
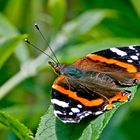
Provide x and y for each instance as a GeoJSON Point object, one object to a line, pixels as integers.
{"type": "Point", "coordinates": [37, 27]}
{"type": "Point", "coordinates": [27, 41]}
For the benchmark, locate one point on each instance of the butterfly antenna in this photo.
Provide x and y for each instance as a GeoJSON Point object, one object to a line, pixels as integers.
{"type": "Point", "coordinates": [37, 27]}
{"type": "Point", "coordinates": [28, 42]}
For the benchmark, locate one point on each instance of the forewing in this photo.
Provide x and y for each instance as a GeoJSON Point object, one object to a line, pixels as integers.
{"type": "Point", "coordinates": [130, 55]}
{"type": "Point", "coordinates": [122, 64]}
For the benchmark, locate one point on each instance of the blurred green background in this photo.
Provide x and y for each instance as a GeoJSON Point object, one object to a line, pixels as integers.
{"type": "Point", "coordinates": [73, 29]}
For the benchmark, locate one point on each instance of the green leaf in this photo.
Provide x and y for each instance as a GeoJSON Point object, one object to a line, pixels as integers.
{"type": "Point", "coordinates": [8, 30]}
{"type": "Point", "coordinates": [17, 13]}
{"type": "Point", "coordinates": [136, 5]}
{"type": "Point", "coordinates": [86, 21]}
{"type": "Point", "coordinates": [52, 128]}
{"type": "Point", "coordinates": [57, 9]}
{"type": "Point", "coordinates": [7, 47]}
{"type": "Point", "coordinates": [21, 131]}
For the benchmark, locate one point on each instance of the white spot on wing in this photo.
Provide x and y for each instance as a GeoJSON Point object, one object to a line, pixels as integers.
{"type": "Point", "coordinates": [130, 61]}
{"type": "Point", "coordinates": [79, 117]}
{"type": "Point", "coordinates": [131, 47]}
{"type": "Point", "coordinates": [85, 115]}
{"type": "Point", "coordinates": [137, 54]}
{"type": "Point", "coordinates": [79, 106]}
{"type": "Point", "coordinates": [70, 113]}
{"type": "Point", "coordinates": [134, 57]}
{"type": "Point", "coordinates": [75, 110]}
{"type": "Point", "coordinates": [119, 52]}
{"type": "Point", "coordinates": [70, 121]}
{"type": "Point", "coordinates": [57, 112]}
{"type": "Point", "coordinates": [59, 103]}
{"type": "Point", "coordinates": [98, 112]}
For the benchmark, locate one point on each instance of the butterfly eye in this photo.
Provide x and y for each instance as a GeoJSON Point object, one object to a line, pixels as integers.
{"type": "Point", "coordinates": [73, 72]}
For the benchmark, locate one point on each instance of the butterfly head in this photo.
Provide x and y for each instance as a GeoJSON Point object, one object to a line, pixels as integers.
{"type": "Point", "coordinates": [57, 67]}
{"type": "Point", "coordinates": [67, 70]}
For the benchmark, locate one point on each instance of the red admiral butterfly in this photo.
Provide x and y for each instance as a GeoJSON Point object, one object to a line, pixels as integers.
{"type": "Point", "coordinates": [92, 84]}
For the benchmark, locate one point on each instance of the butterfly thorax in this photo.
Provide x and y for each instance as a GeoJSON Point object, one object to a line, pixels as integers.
{"type": "Point", "coordinates": [67, 70]}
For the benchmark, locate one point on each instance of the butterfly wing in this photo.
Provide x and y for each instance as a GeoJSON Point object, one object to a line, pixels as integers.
{"type": "Point", "coordinates": [93, 94]}
{"type": "Point", "coordinates": [122, 64]}
{"type": "Point", "coordinates": [105, 71]}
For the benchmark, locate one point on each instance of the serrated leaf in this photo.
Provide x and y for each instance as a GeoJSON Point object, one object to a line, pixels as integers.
{"type": "Point", "coordinates": [20, 130]}
{"type": "Point", "coordinates": [51, 128]}
{"type": "Point", "coordinates": [7, 47]}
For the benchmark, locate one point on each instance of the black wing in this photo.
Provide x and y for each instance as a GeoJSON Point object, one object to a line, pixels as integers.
{"type": "Point", "coordinates": [121, 64]}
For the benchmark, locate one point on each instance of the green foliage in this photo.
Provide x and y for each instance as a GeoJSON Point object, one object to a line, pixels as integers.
{"type": "Point", "coordinates": [7, 31]}
{"type": "Point", "coordinates": [57, 10]}
{"type": "Point", "coordinates": [71, 27]}
{"type": "Point", "coordinates": [7, 47]}
{"type": "Point", "coordinates": [86, 25]}
{"type": "Point", "coordinates": [21, 131]}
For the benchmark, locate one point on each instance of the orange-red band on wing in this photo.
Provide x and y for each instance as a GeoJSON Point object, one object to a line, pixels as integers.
{"type": "Point", "coordinates": [73, 95]}
{"type": "Point", "coordinates": [130, 68]}
{"type": "Point", "coordinates": [137, 76]}
{"type": "Point", "coordinates": [119, 97]}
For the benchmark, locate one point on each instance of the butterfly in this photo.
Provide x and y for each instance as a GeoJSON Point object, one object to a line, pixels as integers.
{"type": "Point", "coordinates": [92, 84]}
